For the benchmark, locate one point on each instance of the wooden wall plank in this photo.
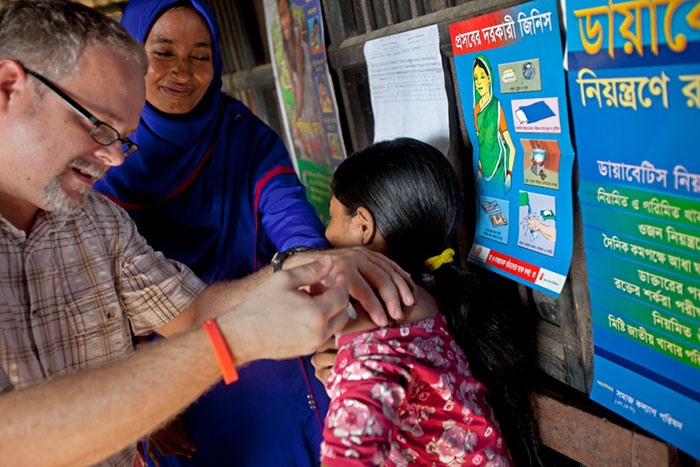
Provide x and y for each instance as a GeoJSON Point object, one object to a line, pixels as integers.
{"type": "Point", "coordinates": [595, 441]}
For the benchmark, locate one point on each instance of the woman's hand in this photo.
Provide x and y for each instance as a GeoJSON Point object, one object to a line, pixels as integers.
{"type": "Point", "coordinates": [171, 440]}
{"type": "Point", "coordinates": [324, 359]}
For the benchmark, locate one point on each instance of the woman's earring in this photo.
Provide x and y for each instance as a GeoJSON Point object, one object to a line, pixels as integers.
{"type": "Point", "coordinates": [362, 241]}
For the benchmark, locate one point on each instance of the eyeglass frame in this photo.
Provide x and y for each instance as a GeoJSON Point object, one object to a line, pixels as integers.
{"type": "Point", "coordinates": [131, 147]}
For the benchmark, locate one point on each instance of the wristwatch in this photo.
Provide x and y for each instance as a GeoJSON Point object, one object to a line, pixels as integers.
{"type": "Point", "coordinates": [279, 257]}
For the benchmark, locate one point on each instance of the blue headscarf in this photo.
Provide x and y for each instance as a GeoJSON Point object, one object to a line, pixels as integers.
{"type": "Point", "coordinates": [174, 144]}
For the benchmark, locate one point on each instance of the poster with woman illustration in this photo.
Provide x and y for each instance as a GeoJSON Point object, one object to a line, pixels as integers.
{"type": "Point", "coordinates": [511, 83]}
{"type": "Point", "coordinates": [305, 93]}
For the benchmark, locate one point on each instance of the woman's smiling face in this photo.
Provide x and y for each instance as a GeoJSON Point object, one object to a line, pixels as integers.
{"type": "Point", "coordinates": [180, 61]}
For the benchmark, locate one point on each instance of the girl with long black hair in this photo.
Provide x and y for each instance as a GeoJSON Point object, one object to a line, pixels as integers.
{"type": "Point", "coordinates": [422, 390]}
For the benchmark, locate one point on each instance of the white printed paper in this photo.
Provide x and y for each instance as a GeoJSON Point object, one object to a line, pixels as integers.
{"type": "Point", "coordinates": [407, 87]}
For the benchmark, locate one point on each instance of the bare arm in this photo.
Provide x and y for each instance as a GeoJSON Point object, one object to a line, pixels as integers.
{"type": "Point", "coordinates": [80, 418]}
{"type": "Point", "coordinates": [365, 270]}
{"type": "Point", "coordinates": [215, 300]}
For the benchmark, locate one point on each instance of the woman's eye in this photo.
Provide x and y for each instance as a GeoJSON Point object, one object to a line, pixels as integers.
{"type": "Point", "coordinates": [163, 53]}
{"type": "Point", "coordinates": [202, 58]}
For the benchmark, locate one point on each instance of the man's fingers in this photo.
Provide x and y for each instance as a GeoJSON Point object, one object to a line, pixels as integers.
{"type": "Point", "coordinates": [337, 322]}
{"type": "Point", "coordinates": [310, 273]}
{"type": "Point", "coordinates": [333, 302]}
{"type": "Point", "coordinates": [361, 291]}
{"type": "Point", "coordinates": [400, 278]}
{"type": "Point", "coordinates": [388, 290]}
{"type": "Point", "coordinates": [319, 287]}
{"type": "Point", "coordinates": [372, 271]}
{"type": "Point", "coordinates": [407, 298]}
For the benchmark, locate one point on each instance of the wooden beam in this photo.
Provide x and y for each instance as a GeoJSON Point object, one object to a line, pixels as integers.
{"type": "Point", "coordinates": [595, 441]}
{"type": "Point", "coordinates": [260, 77]}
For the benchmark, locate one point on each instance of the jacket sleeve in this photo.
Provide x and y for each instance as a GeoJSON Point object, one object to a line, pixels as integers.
{"type": "Point", "coordinates": [280, 199]}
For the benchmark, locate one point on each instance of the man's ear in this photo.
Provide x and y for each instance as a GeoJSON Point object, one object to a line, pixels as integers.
{"type": "Point", "coordinates": [13, 80]}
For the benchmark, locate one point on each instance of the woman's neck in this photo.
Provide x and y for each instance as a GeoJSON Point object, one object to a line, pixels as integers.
{"type": "Point", "coordinates": [484, 100]}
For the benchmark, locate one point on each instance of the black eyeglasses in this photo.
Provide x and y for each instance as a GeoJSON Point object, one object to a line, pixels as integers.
{"type": "Point", "coordinates": [102, 133]}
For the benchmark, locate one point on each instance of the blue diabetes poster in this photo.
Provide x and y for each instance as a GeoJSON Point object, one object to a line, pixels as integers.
{"type": "Point", "coordinates": [513, 96]}
{"type": "Point", "coordinates": [634, 82]}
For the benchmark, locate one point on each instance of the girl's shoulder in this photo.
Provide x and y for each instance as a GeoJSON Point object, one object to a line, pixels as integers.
{"type": "Point", "coordinates": [426, 307]}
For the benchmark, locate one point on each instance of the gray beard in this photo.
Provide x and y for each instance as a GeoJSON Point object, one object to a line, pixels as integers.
{"type": "Point", "coordinates": [58, 201]}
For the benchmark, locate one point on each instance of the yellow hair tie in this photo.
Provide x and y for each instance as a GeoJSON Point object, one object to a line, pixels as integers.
{"type": "Point", "coordinates": [436, 261]}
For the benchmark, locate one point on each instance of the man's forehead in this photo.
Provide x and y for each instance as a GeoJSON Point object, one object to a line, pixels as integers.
{"type": "Point", "coordinates": [109, 85]}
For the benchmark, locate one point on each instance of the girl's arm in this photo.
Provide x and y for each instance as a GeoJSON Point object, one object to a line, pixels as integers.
{"type": "Point", "coordinates": [363, 413]}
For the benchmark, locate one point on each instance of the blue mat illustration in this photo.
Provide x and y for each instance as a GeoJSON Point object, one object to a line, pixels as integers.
{"type": "Point", "coordinates": [535, 112]}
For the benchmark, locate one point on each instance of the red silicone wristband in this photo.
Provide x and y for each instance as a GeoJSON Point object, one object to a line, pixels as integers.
{"type": "Point", "coordinates": [223, 353]}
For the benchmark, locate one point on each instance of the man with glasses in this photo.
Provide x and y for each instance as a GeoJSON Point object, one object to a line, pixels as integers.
{"type": "Point", "coordinates": [76, 277]}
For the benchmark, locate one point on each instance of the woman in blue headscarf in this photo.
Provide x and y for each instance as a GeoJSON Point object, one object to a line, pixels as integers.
{"type": "Point", "coordinates": [213, 187]}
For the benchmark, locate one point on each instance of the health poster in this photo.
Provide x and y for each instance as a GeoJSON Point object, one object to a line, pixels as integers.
{"type": "Point", "coordinates": [634, 82]}
{"type": "Point", "coordinates": [305, 92]}
{"type": "Point", "coordinates": [513, 95]}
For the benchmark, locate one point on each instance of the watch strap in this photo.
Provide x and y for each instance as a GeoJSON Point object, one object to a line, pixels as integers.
{"type": "Point", "coordinates": [281, 256]}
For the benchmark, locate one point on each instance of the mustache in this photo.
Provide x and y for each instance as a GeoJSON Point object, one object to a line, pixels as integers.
{"type": "Point", "coordinates": [89, 168]}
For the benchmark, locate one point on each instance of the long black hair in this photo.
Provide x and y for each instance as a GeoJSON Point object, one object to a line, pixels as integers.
{"type": "Point", "coordinates": [412, 192]}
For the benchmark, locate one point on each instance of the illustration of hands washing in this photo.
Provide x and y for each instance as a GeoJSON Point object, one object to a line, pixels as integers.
{"type": "Point", "coordinates": [534, 221]}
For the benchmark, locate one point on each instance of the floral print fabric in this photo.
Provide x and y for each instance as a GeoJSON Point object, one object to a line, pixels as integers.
{"type": "Point", "coordinates": [405, 395]}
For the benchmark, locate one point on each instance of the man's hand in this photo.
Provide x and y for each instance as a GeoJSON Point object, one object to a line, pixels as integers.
{"type": "Point", "coordinates": [324, 359]}
{"type": "Point", "coordinates": [171, 440]}
{"type": "Point", "coordinates": [278, 320]}
{"type": "Point", "coordinates": [366, 272]}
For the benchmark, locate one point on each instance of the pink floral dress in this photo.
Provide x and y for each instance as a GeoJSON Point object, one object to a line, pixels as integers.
{"type": "Point", "coordinates": [405, 395]}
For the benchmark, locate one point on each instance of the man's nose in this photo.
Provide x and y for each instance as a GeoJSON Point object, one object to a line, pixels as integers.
{"type": "Point", "coordinates": [111, 155]}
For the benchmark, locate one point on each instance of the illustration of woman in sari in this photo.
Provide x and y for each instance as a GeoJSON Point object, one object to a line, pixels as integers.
{"type": "Point", "coordinates": [496, 149]}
